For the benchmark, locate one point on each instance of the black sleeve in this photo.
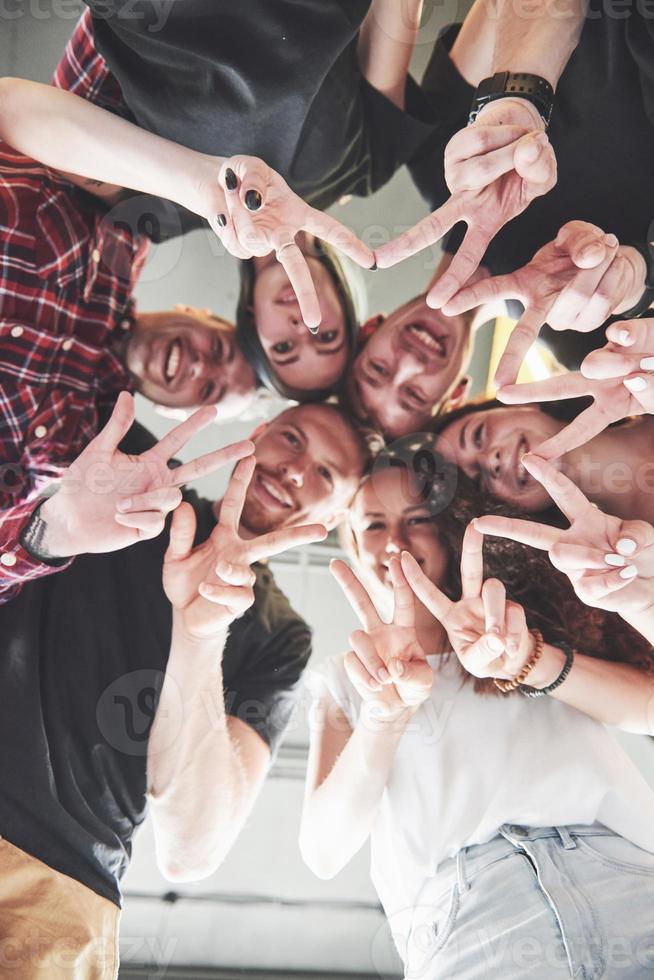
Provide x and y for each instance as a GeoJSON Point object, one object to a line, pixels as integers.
{"type": "Point", "coordinates": [264, 690]}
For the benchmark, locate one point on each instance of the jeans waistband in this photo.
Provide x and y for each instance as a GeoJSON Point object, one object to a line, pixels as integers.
{"type": "Point", "coordinates": [471, 860]}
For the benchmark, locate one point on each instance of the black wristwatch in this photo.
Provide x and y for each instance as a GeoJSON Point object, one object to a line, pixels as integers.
{"type": "Point", "coordinates": [517, 85]}
{"type": "Point", "coordinates": [31, 539]}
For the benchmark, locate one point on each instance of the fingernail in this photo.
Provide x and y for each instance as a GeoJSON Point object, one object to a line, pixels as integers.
{"type": "Point", "coordinates": [399, 668]}
{"type": "Point", "coordinates": [611, 240]}
{"type": "Point", "coordinates": [616, 560]}
{"type": "Point", "coordinates": [635, 384]}
{"type": "Point", "coordinates": [314, 330]}
{"type": "Point", "coordinates": [253, 200]}
{"type": "Point", "coordinates": [624, 336]}
{"type": "Point", "coordinates": [125, 504]}
{"type": "Point", "coordinates": [383, 675]}
{"type": "Point", "coordinates": [629, 572]}
{"type": "Point", "coordinates": [647, 364]}
{"type": "Point", "coordinates": [222, 220]}
{"type": "Point", "coordinates": [231, 180]}
{"type": "Point", "coordinates": [626, 546]}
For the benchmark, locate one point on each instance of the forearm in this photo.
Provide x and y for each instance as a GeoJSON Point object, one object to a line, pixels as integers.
{"type": "Point", "coordinates": [530, 38]}
{"type": "Point", "coordinates": [195, 776]}
{"type": "Point", "coordinates": [17, 564]}
{"type": "Point", "coordinates": [69, 134]}
{"type": "Point", "coordinates": [386, 41]}
{"type": "Point", "coordinates": [643, 623]}
{"type": "Point", "coordinates": [613, 693]}
{"type": "Point", "coordinates": [339, 814]}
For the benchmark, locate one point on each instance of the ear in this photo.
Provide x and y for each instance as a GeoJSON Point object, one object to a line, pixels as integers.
{"type": "Point", "coordinates": [179, 414]}
{"type": "Point", "coordinates": [459, 394]}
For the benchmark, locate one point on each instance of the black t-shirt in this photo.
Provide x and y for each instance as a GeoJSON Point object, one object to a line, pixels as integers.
{"type": "Point", "coordinates": [84, 654]}
{"type": "Point", "coordinates": [276, 79]}
{"type": "Point", "coordinates": [602, 133]}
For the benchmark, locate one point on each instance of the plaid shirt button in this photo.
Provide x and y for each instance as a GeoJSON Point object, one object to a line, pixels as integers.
{"type": "Point", "coordinates": [67, 344]}
{"type": "Point", "coordinates": [40, 432]}
{"type": "Point", "coordinates": [16, 331]}
{"type": "Point", "coordinates": [8, 559]}
{"type": "Point", "coordinates": [95, 255]}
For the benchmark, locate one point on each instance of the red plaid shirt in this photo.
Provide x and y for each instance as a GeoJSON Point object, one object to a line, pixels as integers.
{"type": "Point", "coordinates": [66, 282]}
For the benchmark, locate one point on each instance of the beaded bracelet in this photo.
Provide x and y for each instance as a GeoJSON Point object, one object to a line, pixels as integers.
{"type": "Point", "coordinates": [538, 692]}
{"type": "Point", "coordinates": [510, 685]}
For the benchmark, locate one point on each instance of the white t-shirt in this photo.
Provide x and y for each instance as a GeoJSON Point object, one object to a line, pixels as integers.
{"type": "Point", "coordinates": [469, 763]}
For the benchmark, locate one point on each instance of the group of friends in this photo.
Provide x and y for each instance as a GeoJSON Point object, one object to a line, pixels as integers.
{"type": "Point", "coordinates": [500, 554]}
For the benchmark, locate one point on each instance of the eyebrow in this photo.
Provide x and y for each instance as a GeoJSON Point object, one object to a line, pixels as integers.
{"type": "Point", "coordinates": [462, 441]}
{"type": "Point", "coordinates": [321, 353]}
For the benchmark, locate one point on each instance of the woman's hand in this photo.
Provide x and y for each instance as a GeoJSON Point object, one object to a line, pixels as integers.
{"type": "Point", "coordinates": [494, 171]}
{"type": "Point", "coordinates": [573, 283]}
{"type": "Point", "coordinates": [386, 665]}
{"type": "Point", "coordinates": [488, 634]}
{"type": "Point", "coordinates": [261, 214]}
{"type": "Point", "coordinates": [211, 585]}
{"type": "Point", "coordinates": [609, 562]}
{"type": "Point", "coordinates": [628, 358]}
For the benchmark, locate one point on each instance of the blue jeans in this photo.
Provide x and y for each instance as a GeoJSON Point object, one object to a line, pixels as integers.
{"type": "Point", "coordinates": [541, 903]}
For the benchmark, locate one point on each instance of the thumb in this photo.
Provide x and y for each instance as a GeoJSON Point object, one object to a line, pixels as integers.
{"type": "Point", "coordinates": [182, 533]}
{"type": "Point", "coordinates": [534, 158]}
{"type": "Point", "coordinates": [118, 425]}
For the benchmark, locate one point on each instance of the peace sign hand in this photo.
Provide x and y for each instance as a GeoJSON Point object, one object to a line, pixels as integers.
{"type": "Point", "coordinates": [628, 357]}
{"type": "Point", "coordinates": [217, 573]}
{"type": "Point", "coordinates": [573, 283]}
{"type": "Point", "coordinates": [386, 665]}
{"type": "Point", "coordinates": [609, 562]}
{"type": "Point", "coordinates": [612, 401]}
{"type": "Point", "coordinates": [109, 500]}
{"type": "Point", "coordinates": [518, 166]}
{"type": "Point", "coordinates": [263, 215]}
{"type": "Point", "coordinates": [488, 633]}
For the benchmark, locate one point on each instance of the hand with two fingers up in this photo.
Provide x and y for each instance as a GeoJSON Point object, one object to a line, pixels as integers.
{"type": "Point", "coordinates": [610, 562]}
{"type": "Point", "coordinates": [212, 584]}
{"type": "Point", "coordinates": [387, 665]}
{"type": "Point", "coordinates": [488, 633]}
{"type": "Point", "coordinates": [575, 282]}
{"type": "Point", "coordinates": [261, 215]}
{"type": "Point", "coordinates": [494, 169]}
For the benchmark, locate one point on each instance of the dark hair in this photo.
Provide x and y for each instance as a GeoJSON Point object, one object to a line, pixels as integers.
{"type": "Point", "coordinates": [530, 579]}
{"type": "Point", "coordinates": [248, 338]}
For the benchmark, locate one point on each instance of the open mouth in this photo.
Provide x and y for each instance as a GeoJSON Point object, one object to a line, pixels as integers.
{"type": "Point", "coordinates": [434, 345]}
{"type": "Point", "coordinates": [272, 492]}
{"type": "Point", "coordinates": [172, 361]}
{"type": "Point", "coordinates": [521, 474]}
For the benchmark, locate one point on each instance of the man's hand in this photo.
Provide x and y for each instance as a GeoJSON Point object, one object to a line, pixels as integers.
{"type": "Point", "coordinates": [609, 562]}
{"type": "Point", "coordinates": [109, 500]}
{"type": "Point", "coordinates": [211, 585]}
{"type": "Point", "coordinates": [386, 665]}
{"type": "Point", "coordinates": [612, 402]}
{"type": "Point", "coordinates": [496, 170]}
{"type": "Point", "coordinates": [573, 283]}
{"type": "Point", "coordinates": [263, 215]}
{"type": "Point", "coordinates": [488, 634]}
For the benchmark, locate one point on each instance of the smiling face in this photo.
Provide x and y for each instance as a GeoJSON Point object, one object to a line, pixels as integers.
{"type": "Point", "coordinates": [308, 465]}
{"type": "Point", "coordinates": [488, 445]}
{"type": "Point", "coordinates": [386, 519]}
{"type": "Point", "coordinates": [186, 359]}
{"type": "Point", "coordinates": [301, 360]}
{"type": "Point", "coordinates": [408, 366]}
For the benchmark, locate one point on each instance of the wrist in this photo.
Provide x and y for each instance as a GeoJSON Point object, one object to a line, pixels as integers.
{"type": "Point", "coordinates": [548, 668]}
{"type": "Point", "coordinates": [638, 268]}
{"type": "Point", "coordinates": [201, 191]}
{"type": "Point", "coordinates": [48, 533]}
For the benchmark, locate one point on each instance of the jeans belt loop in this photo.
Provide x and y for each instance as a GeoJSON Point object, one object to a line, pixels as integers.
{"type": "Point", "coordinates": [462, 881]}
{"type": "Point", "coordinates": [566, 839]}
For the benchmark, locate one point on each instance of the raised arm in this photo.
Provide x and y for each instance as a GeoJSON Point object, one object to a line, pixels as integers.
{"type": "Point", "coordinates": [349, 767]}
{"type": "Point", "coordinates": [531, 36]}
{"type": "Point", "coordinates": [386, 42]}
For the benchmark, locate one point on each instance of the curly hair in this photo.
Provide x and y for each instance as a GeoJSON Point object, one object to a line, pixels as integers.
{"type": "Point", "coordinates": [546, 595]}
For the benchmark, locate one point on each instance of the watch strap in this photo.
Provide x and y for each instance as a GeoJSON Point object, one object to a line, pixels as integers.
{"type": "Point", "coordinates": [31, 539]}
{"type": "Point", "coordinates": [516, 85]}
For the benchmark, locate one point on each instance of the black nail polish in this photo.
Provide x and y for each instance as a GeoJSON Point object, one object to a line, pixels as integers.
{"type": "Point", "coordinates": [314, 330]}
{"type": "Point", "coordinates": [373, 267]}
{"type": "Point", "coordinates": [253, 200]}
{"type": "Point", "coordinates": [222, 220]}
{"type": "Point", "coordinates": [231, 180]}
